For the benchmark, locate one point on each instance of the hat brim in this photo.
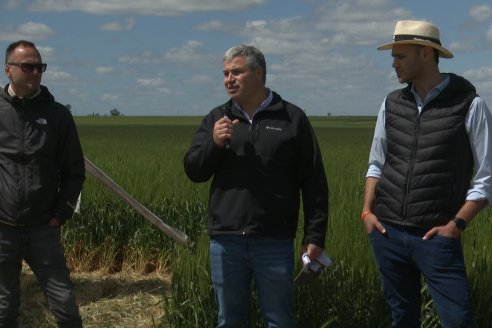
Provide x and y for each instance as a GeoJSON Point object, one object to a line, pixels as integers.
{"type": "Point", "coordinates": [443, 52]}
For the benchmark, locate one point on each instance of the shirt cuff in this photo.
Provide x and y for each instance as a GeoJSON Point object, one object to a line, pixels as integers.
{"type": "Point", "coordinates": [373, 171]}
{"type": "Point", "coordinates": [475, 195]}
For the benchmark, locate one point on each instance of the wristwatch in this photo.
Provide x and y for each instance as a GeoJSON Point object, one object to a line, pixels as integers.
{"type": "Point", "coordinates": [460, 223]}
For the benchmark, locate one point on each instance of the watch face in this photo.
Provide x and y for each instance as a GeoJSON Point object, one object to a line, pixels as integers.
{"type": "Point", "coordinates": [460, 223]}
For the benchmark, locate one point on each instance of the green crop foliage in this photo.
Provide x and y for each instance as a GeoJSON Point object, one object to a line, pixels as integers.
{"type": "Point", "coordinates": [144, 156]}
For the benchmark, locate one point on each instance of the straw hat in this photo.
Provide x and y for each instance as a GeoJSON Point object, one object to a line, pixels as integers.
{"type": "Point", "coordinates": [417, 32]}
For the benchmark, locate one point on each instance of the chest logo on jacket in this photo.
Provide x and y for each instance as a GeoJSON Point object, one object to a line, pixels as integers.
{"type": "Point", "coordinates": [41, 121]}
{"type": "Point", "coordinates": [273, 128]}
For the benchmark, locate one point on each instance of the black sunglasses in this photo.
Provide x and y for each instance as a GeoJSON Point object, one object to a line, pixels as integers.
{"type": "Point", "coordinates": [29, 68]}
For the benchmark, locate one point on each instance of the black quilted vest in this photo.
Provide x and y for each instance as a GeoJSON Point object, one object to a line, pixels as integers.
{"type": "Point", "coordinates": [429, 162]}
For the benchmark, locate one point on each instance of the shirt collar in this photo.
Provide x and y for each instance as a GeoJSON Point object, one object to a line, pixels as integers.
{"type": "Point", "coordinates": [264, 104]}
{"type": "Point", "coordinates": [433, 93]}
{"type": "Point", "coordinates": [12, 93]}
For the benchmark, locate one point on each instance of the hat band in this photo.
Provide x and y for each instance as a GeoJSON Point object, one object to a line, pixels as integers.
{"type": "Point", "coordinates": [410, 37]}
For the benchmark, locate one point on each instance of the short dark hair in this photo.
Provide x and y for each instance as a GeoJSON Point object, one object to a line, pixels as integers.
{"type": "Point", "coordinates": [434, 51]}
{"type": "Point", "coordinates": [254, 57]}
{"type": "Point", "coordinates": [14, 45]}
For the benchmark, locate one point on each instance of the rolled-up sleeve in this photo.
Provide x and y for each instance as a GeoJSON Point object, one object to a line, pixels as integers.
{"type": "Point", "coordinates": [377, 154]}
{"type": "Point", "coordinates": [479, 125]}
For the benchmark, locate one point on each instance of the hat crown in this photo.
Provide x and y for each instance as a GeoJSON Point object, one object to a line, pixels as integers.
{"type": "Point", "coordinates": [417, 28]}
{"type": "Point", "coordinates": [417, 32]}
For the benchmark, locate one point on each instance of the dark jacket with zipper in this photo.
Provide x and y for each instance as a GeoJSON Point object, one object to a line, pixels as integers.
{"type": "Point", "coordinates": [41, 161]}
{"type": "Point", "coordinates": [429, 162]}
{"type": "Point", "coordinates": [257, 181]}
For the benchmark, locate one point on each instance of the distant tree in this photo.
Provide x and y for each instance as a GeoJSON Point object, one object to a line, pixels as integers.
{"type": "Point", "coordinates": [115, 112]}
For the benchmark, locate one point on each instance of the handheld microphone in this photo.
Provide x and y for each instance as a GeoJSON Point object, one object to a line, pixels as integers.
{"type": "Point", "coordinates": [227, 114]}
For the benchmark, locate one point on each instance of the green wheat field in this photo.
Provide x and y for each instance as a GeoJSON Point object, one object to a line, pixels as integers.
{"type": "Point", "coordinates": [144, 155]}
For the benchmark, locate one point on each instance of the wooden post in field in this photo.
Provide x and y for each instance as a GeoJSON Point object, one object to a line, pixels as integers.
{"type": "Point", "coordinates": [173, 233]}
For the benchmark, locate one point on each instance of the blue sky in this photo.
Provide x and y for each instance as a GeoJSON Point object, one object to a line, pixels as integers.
{"type": "Point", "coordinates": [164, 57]}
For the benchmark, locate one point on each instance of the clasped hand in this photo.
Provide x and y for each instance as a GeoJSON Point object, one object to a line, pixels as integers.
{"type": "Point", "coordinates": [223, 129]}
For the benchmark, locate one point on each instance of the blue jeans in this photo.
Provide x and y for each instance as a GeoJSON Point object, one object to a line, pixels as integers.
{"type": "Point", "coordinates": [402, 256]}
{"type": "Point", "coordinates": [41, 248]}
{"type": "Point", "coordinates": [237, 260]}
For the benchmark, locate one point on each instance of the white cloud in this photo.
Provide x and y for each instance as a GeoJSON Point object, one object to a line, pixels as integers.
{"type": "Point", "coordinates": [284, 37]}
{"type": "Point", "coordinates": [339, 38]}
{"type": "Point", "coordinates": [461, 46]}
{"type": "Point", "coordinates": [149, 82]}
{"type": "Point", "coordinates": [55, 75]}
{"type": "Point", "coordinates": [142, 7]}
{"type": "Point", "coordinates": [165, 91]}
{"type": "Point", "coordinates": [479, 74]}
{"type": "Point", "coordinates": [272, 45]}
{"type": "Point", "coordinates": [188, 54]}
{"type": "Point", "coordinates": [482, 79]}
{"type": "Point", "coordinates": [36, 30]}
{"type": "Point", "coordinates": [27, 31]}
{"type": "Point", "coordinates": [292, 28]}
{"type": "Point", "coordinates": [480, 13]}
{"type": "Point", "coordinates": [339, 23]}
{"type": "Point", "coordinates": [256, 25]}
{"type": "Point", "coordinates": [280, 36]}
{"type": "Point", "coordinates": [211, 26]}
{"type": "Point", "coordinates": [11, 4]}
{"type": "Point", "coordinates": [360, 22]}
{"type": "Point", "coordinates": [104, 69]}
{"type": "Point", "coordinates": [127, 25]}
{"type": "Point", "coordinates": [145, 57]}
{"type": "Point", "coordinates": [47, 53]}
{"type": "Point", "coordinates": [488, 35]}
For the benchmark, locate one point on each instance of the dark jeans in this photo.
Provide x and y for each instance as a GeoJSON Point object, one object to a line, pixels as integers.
{"type": "Point", "coordinates": [41, 248]}
{"type": "Point", "coordinates": [402, 256]}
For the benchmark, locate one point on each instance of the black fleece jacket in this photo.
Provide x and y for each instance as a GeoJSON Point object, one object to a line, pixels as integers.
{"type": "Point", "coordinates": [258, 180]}
{"type": "Point", "coordinates": [41, 161]}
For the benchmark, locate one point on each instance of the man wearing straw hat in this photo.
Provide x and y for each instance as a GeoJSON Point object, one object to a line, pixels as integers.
{"type": "Point", "coordinates": [420, 191]}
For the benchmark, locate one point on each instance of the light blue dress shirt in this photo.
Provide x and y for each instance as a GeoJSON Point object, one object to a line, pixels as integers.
{"type": "Point", "coordinates": [478, 126]}
{"type": "Point", "coordinates": [264, 104]}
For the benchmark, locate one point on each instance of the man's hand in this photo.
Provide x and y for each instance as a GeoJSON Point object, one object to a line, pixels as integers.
{"type": "Point", "coordinates": [449, 230]}
{"type": "Point", "coordinates": [371, 222]}
{"type": "Point", "coordinates": [312, 250]}
{"type": "Point", "coordinates": [467, 212]}
{"type": "Point", "coordinates": [223, 130]}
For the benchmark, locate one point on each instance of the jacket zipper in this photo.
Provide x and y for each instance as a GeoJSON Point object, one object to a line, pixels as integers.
{"type": "Point", "coordinates": [22, 181]}
{"type": "Point", "coordinates": [250, 138]}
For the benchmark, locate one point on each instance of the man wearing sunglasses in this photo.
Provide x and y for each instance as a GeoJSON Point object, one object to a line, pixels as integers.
{"type": "Point", "coordinates": [41, 176]}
